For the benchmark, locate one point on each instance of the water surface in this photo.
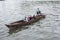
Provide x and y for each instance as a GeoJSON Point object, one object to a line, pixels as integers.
{"type": "Point", "coordinates": [46, 29]}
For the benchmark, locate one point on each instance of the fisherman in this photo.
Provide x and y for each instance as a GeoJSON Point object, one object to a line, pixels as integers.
{"type": "Point", "coordinates": [38, 11]}
{"type": "Point", "coordinates": [28, 18]}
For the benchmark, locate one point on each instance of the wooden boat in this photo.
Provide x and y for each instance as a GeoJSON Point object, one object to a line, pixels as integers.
{"type": "Point", "coordinates": [21, 23]}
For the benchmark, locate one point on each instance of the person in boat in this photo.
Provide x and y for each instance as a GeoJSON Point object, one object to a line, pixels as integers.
{"type": "Point", "coordinates": [38, 11]}
{"type": "Point", "coordinates": [28, 18]}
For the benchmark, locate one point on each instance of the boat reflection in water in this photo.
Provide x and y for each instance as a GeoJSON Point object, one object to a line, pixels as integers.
{"type": "Point", "coordinates": [11, 31]}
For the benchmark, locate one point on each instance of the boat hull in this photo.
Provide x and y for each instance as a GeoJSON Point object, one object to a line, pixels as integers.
{"type": "Point", "coordinates": [20, 23]}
